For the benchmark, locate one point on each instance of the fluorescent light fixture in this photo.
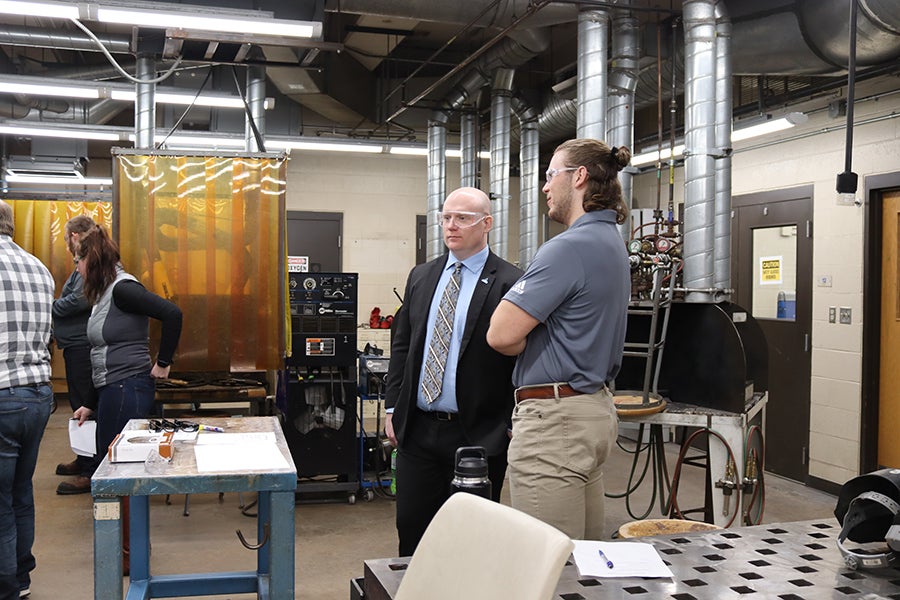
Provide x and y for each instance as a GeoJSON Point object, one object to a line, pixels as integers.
{"type": "Point", "coordinates": [200, 141]}
{"type": "Point", "coordinates": [744, 133]}
{"type": "Point", "coordinates": [647, 158]}
{"type": "Point", "coordinates": [329, 146]}
{"type": "Point", "coordinates": [38, 89]}
{"type": "Point", "coordinates": [409, 150]}
{"type": "Point", "coordinates": [60, 132]}
{"type": "Point", "coordinates": [175, 17]}
{"type": "Point", "coordinates": [60, 10]}
{"type": "Point", "coordinates": [184, 99]}
{"type": "Point", "coordinates": [423, 151]}
{"type": "Point", "coordinates": [51, 180]}
{"type": "Point", "coordinates": [771, 126]}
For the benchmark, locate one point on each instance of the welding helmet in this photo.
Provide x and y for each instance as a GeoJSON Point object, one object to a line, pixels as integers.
{"type": "Point", "coordinates": [868, 510]}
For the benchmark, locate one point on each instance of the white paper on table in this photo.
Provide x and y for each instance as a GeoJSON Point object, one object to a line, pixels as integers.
{"type": "Point", "coordinates": [238, 457]}
{"type": "Point", "coordinates": [630, 559]}
{"type": "Point", "coordinates": [218, 439]}
{"type": "Point", "coordinates": [83, 438]}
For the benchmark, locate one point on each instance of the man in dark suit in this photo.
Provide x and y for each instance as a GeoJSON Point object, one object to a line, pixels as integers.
{"type": "Point", "coordinates": [447, 389]}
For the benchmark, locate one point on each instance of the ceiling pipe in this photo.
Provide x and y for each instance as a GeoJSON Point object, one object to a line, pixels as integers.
{"type": "Point", "coordinates": [724, 102]}
{"type": "Point", "coordinates": [31, 37]}
{"type": "Point", "coordinates": [699, 167]}
{"type": "Point", "coordinates": [501, 110]}
{"type": "Point", "coordinates": [436, 175]}
{"type": "Point", "coordinates": [593, 40]}
{"type": "Point", "coordinates": [622, 84]}
{"type": "Point", "coordinates": [529, 178]}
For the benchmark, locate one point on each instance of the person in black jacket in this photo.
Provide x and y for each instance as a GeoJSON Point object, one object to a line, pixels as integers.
{"type": "Point", "coordinates": [70, 316]}
{"type": "Point", "coordinates": [433, 408]}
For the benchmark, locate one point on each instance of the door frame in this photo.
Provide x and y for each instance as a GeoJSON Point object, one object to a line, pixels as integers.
{"type": "Point", "coordinates": [804, 313]}
{"type": "Point", "coordinates": [875, 188]}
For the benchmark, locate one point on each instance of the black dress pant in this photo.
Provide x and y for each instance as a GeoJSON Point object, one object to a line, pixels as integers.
{"type": "Point", "coordinates": [425, 466]}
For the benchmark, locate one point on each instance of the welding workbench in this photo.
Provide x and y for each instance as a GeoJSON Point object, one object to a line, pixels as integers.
{"type": "Point", "coordinates": [793, 561]}
{"type": "Point", "coordinates": [731, 426]}
{"type": "Point", "coordinates": [273, 578]}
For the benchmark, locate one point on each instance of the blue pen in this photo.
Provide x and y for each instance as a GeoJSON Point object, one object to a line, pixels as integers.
{"type": "Point", "coordinates": [211, 428]}
{"type": "Point", "coordinates": [609, 563]}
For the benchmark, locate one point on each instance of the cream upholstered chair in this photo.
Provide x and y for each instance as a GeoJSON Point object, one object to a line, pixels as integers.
{"type": "Point", "coordinates": [475, 549]}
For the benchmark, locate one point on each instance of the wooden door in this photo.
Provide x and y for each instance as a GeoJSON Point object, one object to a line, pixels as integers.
{"type": "Point", "coordinates": [889, 369]}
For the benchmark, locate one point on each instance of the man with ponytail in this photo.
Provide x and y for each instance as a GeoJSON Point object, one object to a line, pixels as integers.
{"type": "Point", "coordinates": [565, 319]}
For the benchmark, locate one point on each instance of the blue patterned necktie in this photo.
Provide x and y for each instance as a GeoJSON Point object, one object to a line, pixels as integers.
{"type": "Point", "coordinates": [439, 347]}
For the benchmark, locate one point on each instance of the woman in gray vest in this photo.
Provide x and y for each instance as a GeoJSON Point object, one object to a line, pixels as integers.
{"type": "Point", "coordinates": [119, 333]}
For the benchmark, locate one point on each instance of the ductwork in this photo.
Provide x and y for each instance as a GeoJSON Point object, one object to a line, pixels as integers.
{"type": "Point", "coordinates": [593, 40]}
{"type": "Point", "coordinates": [437, 186]}
{"type": "Point", "coordinates": [501, 110]}
{"type": "Point", "coordinates": [724, 102]}
{"type": "Point", "coordinates": [12, 35]}
{"type": "Point", "coordinates": [700, 151]}
{"type": "Point", "coordinates": [145, 104]}
{"type": "Point", "coordinates": [622, 83]}
{"type": "Point", "coordinates": [468, 150]}
{"type": "Point", "coordinates": [529, 179]}
{"type": "Point", "coordinates": [460, 13]}
{"type": "Point", "coordinates": [256, 100]}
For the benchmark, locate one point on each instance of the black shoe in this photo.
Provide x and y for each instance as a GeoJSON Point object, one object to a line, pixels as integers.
{"type": "Point", "coordinates": [71, 468]}
{"type": "Point", "coordinates": [79, 485]}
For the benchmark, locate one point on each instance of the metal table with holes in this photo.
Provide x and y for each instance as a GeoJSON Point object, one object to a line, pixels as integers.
{"type": "Point", "coordinates": [788, 561]}
{"type": "Point", "coordinates": [273, 578]}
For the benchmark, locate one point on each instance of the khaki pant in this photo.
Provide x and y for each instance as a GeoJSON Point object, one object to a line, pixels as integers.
{"type": "Point", "coordinates": [556, 460]}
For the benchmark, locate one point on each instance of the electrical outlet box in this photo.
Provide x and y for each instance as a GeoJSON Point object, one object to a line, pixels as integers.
{"type": "Point", "coordinates": [845, 315]}
{"type": "Point", "coordinates": [832, 314]}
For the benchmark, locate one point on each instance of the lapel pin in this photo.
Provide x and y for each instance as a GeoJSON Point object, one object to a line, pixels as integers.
{"type": "Point", "coordinates": [485, 280]}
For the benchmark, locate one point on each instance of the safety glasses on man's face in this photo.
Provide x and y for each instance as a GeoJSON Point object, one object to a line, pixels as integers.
{"type": "Point", "coordinates": [463, 219]}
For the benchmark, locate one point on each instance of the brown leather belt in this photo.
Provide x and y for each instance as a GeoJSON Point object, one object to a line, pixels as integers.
{"type": "Point", "coordinates": [545, 392]}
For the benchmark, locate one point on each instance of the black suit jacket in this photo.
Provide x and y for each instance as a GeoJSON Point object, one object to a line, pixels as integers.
{"type": "Point", "coordinates": [483, 376]}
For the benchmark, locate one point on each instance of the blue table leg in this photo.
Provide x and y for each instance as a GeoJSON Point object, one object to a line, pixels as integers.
{"type": "Point", "coordinates": [281, 543]}
{"type": "Point", "coordinates": [107, 548]}
{"type": "Point", "coordinates": [140, 538]}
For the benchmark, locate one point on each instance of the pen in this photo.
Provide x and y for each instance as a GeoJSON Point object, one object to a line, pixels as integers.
{"type": "Point", "coordinates": [609, 563]}
{"type": "Point", "coordinates": [211, 428]}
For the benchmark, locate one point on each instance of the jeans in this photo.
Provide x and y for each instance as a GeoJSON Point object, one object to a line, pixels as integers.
{"type": "Point", "coordinates": [119, 402]}
{"type": "Point", "coordinates": [24, 412]}
{"type": "Point", "coordinates": [556, 461]}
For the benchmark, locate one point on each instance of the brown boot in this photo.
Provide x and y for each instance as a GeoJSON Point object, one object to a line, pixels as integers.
{"type": "Point", "coordinates": [70, 468]}
{"type": "Point", "coordinates": [78, 485]}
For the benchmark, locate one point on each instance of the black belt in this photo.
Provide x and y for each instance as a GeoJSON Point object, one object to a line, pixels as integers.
{"type": "Point", "coordinates": [437, 415]}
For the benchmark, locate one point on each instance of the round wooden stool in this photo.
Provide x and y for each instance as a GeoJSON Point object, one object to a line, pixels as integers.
{"type": "Point", "coordinates": [635, 529]}
{"type": "Point", "coordinates": [632, 404]}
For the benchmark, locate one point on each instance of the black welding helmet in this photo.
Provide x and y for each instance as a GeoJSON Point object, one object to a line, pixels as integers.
{"type": "Point", "coordinates": [868, 510]}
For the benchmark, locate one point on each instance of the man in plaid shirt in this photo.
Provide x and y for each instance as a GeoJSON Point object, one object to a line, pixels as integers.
{"type": "Point", "coordinates": [26, 299]}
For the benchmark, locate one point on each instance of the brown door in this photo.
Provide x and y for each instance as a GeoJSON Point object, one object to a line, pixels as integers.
{"type": "Point", "coordinates": [889, 370]}
{"type": "Point", "coordinates": [772, 277]}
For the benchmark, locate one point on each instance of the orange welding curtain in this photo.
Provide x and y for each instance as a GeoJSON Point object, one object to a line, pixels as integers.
{"type": "Point", "coordinates": [40, 229]}
{"type": "Point", "coordinates": [207, 233]}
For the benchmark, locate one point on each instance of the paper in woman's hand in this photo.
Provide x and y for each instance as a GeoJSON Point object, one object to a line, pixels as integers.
{"type": "Point", "coordinates": [83, 438]}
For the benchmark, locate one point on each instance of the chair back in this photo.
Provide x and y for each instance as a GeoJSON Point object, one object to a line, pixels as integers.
{"type": "Point", "coordinates": [476, 549]}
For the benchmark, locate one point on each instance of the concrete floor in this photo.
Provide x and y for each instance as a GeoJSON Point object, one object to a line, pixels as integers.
{"type": "Point", "coordinates": [333, 539]}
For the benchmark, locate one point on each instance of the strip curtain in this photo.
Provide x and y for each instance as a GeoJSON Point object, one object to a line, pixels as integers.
{"type": "Point", "coordinates": [208, 234]}
{"type": "Point", "coordinates": [40, 230]}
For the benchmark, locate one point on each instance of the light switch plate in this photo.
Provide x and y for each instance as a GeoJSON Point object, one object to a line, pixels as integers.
{"type": "Point", "coordinates": [845, 315]}
{"type": "Point", "coordinates": [832, 314]}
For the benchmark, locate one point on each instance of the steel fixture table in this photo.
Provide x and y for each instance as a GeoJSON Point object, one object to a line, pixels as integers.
{"type": "Point", "coordinates": [793, 561]}
{"type": "Point", "coordinates": [274, 576]}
